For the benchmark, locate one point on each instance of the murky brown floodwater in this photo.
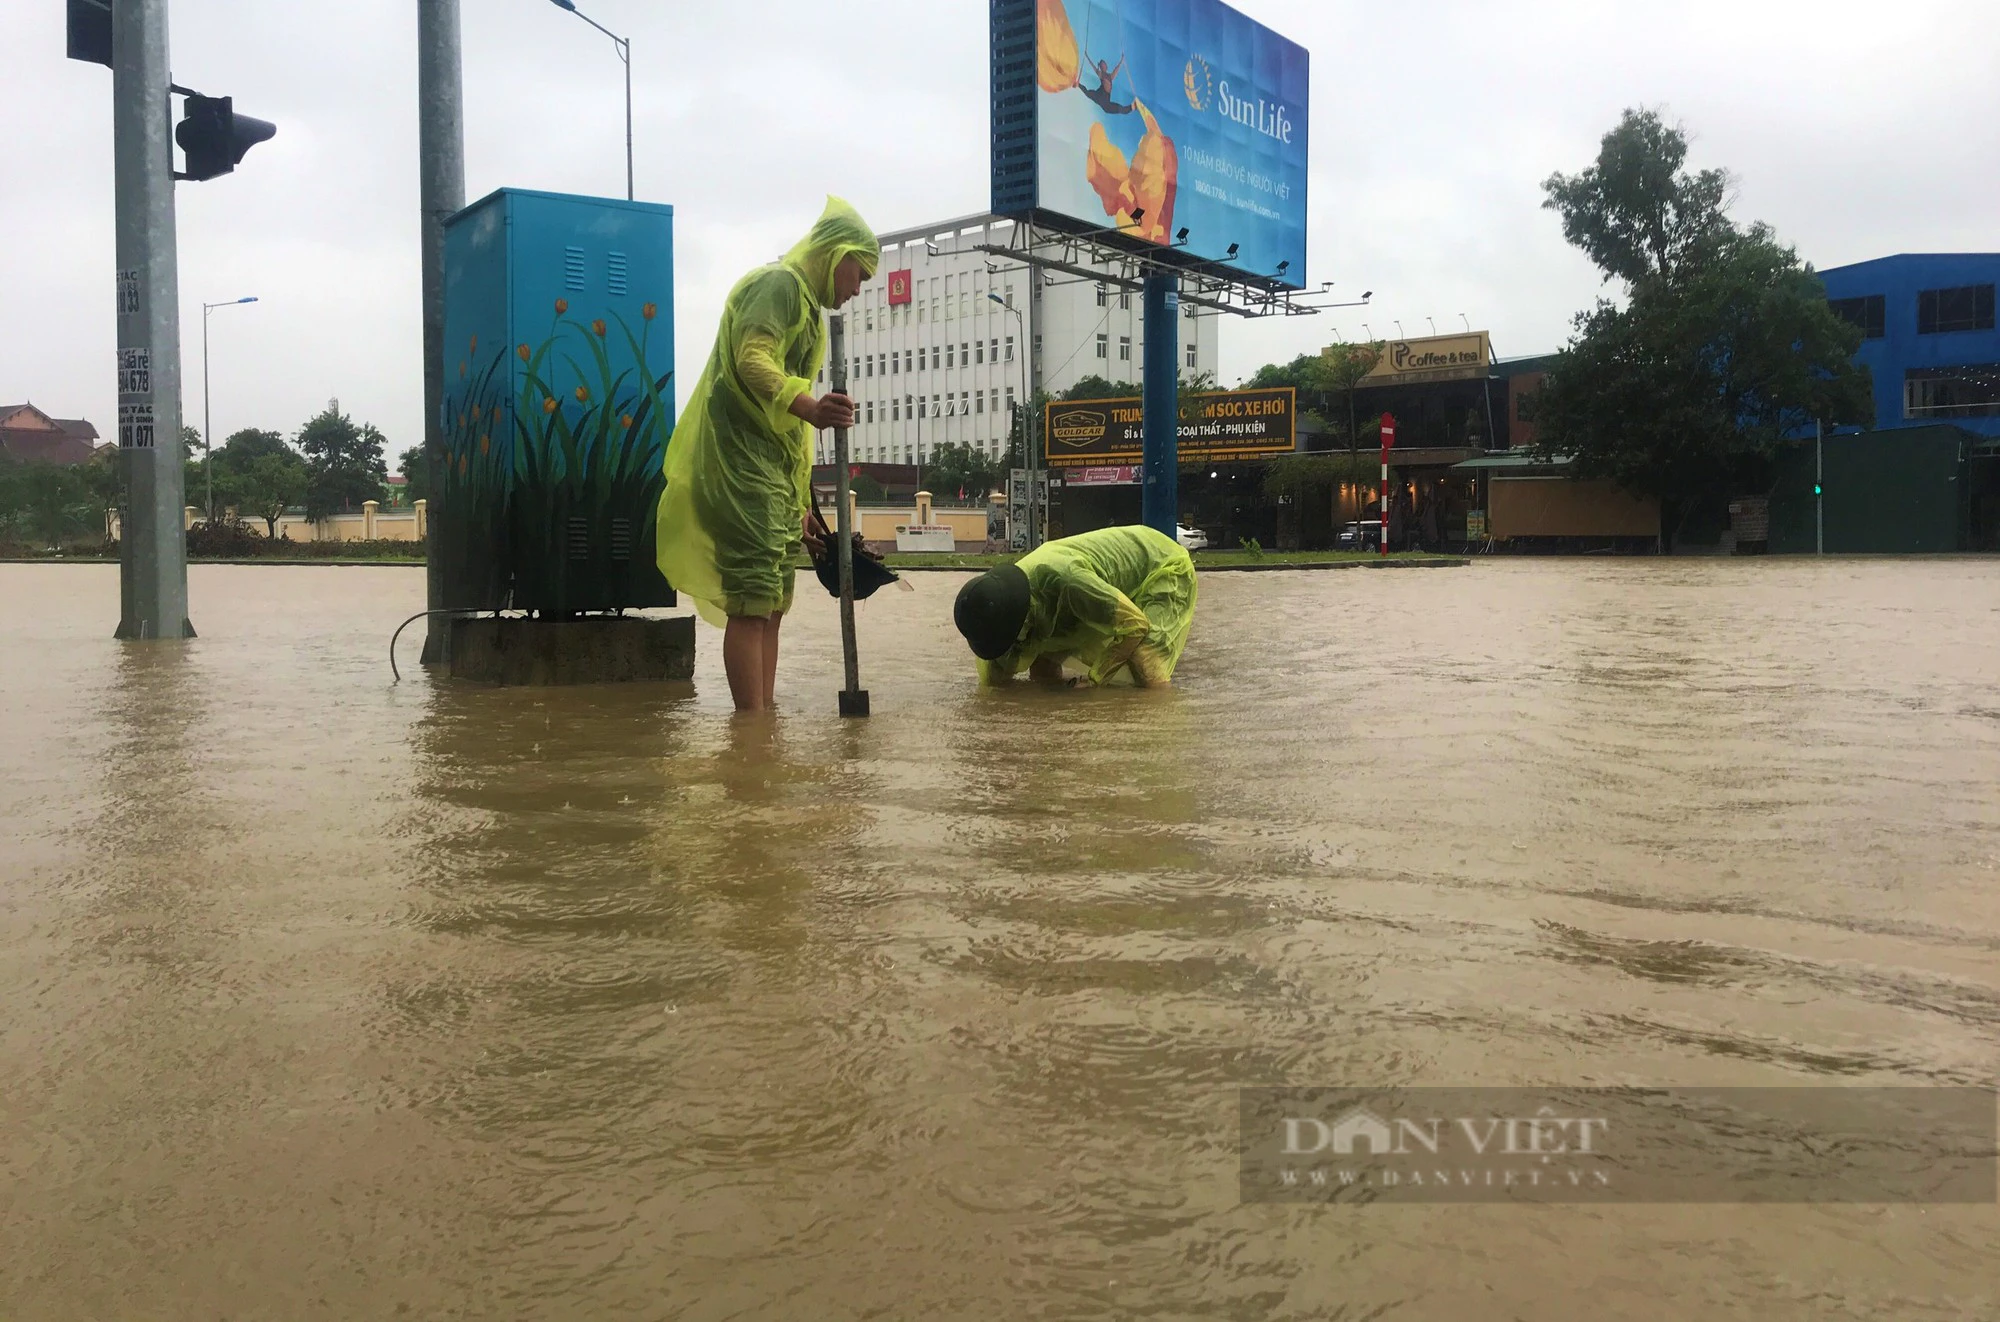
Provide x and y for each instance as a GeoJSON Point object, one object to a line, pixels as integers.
{"type": "Point", "coordinates": [326, 998]}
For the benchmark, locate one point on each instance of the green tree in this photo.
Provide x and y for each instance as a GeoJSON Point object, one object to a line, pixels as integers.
{"type": "Point", "coordinates": [49, 504]}
{"type": "Point", "coordinates": [416, 474]}
{"type": "Point", "coordinates": [1097, 387]}
{"type": "Point", "coordinates": [1724, 346]}
{"type": "Point", "coordinates": [1637, 213]}
{"type": "Point", "coordinates": [194, 467]}
{"type": "Point", "coordinates": [344, 465]}
{"type": "Point", "coordinates": [269, 484]}
{"type": "Point", "coordinates": [954, 467]}
{"type": "Point", "coordinates": [1339, 370]}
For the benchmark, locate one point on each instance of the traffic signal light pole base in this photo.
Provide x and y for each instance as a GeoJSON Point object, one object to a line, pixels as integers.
{"type": "Point", "coordinates": [854, 703]}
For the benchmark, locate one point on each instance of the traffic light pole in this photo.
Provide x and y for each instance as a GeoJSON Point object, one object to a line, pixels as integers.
{"type": "Point", "coordinates": [1160, 496]}
{"type": "Point", "coordinates": [152, 543]}
{"type": "Point", "coordinates": [441, 151]}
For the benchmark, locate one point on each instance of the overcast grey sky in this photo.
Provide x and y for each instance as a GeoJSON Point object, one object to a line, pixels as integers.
{"type": "Point", "coordinates": [1857, 129]}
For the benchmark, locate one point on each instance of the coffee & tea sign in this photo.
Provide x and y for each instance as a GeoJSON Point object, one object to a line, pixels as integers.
{"type": "Point", "coordinates": [1434, 358]}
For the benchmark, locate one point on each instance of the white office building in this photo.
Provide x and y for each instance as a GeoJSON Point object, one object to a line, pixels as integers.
{"type": "Point", "coordinates": [933, 358]}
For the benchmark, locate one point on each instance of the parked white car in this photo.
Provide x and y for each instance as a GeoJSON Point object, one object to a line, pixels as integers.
{"type": "Point", "coordinates": [1194, 539]}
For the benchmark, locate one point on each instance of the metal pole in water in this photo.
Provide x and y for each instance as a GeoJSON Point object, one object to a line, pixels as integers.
{"type": "Point", "coordinates": [441, 180]}
{"type": "Point", "coordinates": [853, 698]}
{"type": "Point", "coordinates": [152, 555]}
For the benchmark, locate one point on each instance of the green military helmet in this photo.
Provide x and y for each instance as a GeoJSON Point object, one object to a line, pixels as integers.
{"type": "Point", "coordinates": [991, 610]}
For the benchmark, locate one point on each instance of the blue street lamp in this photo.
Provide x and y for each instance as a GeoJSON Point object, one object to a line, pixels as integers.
{"type": "Point", "coordinates": [624, 54]}
{"type": "Point", "coordinates": [207, 446]}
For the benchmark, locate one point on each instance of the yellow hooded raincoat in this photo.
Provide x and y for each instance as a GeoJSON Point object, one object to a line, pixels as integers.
{"type": "Point", "coordinates": [1110, 598]}
{"type": "Point", "coordinates": [739, 464]}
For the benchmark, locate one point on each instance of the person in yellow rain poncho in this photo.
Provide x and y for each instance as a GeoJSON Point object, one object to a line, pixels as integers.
{"type": "Point", "coordinates": [1114, 599]}
{"type": "Point", "coordinates": [739, 465]}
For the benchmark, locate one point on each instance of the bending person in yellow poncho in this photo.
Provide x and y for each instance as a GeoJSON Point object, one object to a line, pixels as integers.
{"type": "Point", "coordinates": [739, 464]}
{"type": "Point", "coordinates": [1114, 599]}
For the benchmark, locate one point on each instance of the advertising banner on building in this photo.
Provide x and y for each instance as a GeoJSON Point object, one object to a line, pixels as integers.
{"type": "Point", "coordinates": [1094, 434]}
{"type": "Point", "coordinates": [899, 288]}
{"type": "Point", "coordinates": [1432, 358]}
{"type": "Point", "coordinates": [1156, 118]}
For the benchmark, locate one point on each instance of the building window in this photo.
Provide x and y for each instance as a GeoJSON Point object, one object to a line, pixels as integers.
{"type": "Point", "coordinates": [979, 402]}
{"type": "Point", "coordinates": [1952, 392]}
{"type": "Point", "coordinates": [993, 350]}
{"type": "Point", "coordinates": [1192, 355]}
{"type": "Point", "coordinates": [1125, 301]}
{"type": "Point", "coordinates": [979, 351]}
{"type": "Point", "coordinates": [964, 354]}
{"type": "Point", "coordinates": [1124, 348]}
{"type": "Point", "coordinates": [895, 364]}
{"type": "Point", "coordinates": [923, 358]}
{"type": "Point", "coordinates": [869, 411]}
{"type": "Point", "coordinates": [871, 365]}
{"type": "Point", "coordinates": [895, 409]}
{"type": "Point", "coordinates": [1869, 313]}
{"type": "Point", "coordinates": [909, 360]}
{"type": "Point", "coordinates": [1188, 310]}
{"type": "Point", "coordinates": [1104, 346]}
{"type": "Point", "coordinates": [1038, 348]}
{"type": "Point", "coordinates": [964, 404]}
{"type": "Point", "coordinates": [948, 361]}
{"type": "Point", "coordinates": [1010, 399]}
{"type": "Point", "coordinates": [1103, 297]}
{"type": "Point", "coordinates": [993, 396]}
{"type": "Point", "coordinates": [1966, 308]}
{"type": "Point", "coordinates": [1010, 348]}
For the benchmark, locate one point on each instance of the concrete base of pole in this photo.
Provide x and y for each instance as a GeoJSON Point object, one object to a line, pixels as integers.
{"type": "Point", "coordinates": [854, 704]}
{"type": "Point", "coordinates": [598, 650]}
{"type": "Point", "coordinates": [143, 631]}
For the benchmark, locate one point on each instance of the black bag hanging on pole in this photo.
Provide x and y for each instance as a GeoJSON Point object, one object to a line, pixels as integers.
{"type": "Point", "coordinates": [870, 574]}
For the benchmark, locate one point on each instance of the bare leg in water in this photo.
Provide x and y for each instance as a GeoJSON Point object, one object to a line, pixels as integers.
{"type": "Point", "coordinates": [750, 659]}
{"type": "Point", "coordinates": [771, 659]}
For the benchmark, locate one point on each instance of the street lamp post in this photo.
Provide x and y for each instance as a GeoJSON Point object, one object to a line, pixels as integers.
{"type": "Point", "coordinates": [624, 45]}
{"type": "Point", "coordinates": [207, 435]}
{"type": "Point", "coordinates": [1027, 431]}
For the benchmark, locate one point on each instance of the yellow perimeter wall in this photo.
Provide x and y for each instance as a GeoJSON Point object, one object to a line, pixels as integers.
{"type": "Point", "coordinates": [1561, 507]}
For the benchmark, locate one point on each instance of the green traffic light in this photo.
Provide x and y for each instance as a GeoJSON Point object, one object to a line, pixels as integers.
{"type": "Point", "coordinates": [1818, 490]}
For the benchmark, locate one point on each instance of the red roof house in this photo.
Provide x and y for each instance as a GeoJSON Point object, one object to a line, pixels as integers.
{"type": "Point", "coordinates": [30, 435]}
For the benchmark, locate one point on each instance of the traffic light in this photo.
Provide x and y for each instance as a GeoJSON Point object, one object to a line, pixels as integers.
{"type": "Point", "coordinates": [90, 31]}
{"type": "Point", "coordinates": [215, 137]}
{"type": "Point", "coordinates": [1818, 490]}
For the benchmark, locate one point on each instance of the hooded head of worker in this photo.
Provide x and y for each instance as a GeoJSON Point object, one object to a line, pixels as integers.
{"type": "Point", "coordinates": [838, 256]}
{"type": "Point", "coordinates": [991, 610]}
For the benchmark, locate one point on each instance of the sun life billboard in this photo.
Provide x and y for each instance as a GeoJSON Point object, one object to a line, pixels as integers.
{"type": "Point", "coordinates": [1146, 118]}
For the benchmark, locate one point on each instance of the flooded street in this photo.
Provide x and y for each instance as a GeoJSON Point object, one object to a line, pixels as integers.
{"type": "Point", "coordinates": [327, 997]}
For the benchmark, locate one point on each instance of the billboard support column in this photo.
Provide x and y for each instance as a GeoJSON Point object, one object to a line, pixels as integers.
{"type": "Point", "coordinates": [1161, 500]}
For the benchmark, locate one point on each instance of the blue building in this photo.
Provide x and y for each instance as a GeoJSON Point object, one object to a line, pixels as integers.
{"type": "Point", "coordinates": [1930, 337]}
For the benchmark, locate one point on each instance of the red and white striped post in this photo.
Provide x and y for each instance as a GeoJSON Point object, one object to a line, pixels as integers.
{"type": "Point", "coordinates": [1388, 440]}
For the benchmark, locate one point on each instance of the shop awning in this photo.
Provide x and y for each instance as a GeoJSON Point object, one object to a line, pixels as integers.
{"type": "Point", "coordinates": [1513, 461]}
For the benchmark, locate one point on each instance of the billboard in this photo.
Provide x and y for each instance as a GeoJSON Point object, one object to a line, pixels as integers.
{"type": "Point", "coordinates": [1150, 117]}
{"type": "Point", "coordinates": [1224, 424]}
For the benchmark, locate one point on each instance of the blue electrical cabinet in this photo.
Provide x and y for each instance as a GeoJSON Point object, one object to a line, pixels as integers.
{"type": "Point", "coordinates": [559, 349]}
